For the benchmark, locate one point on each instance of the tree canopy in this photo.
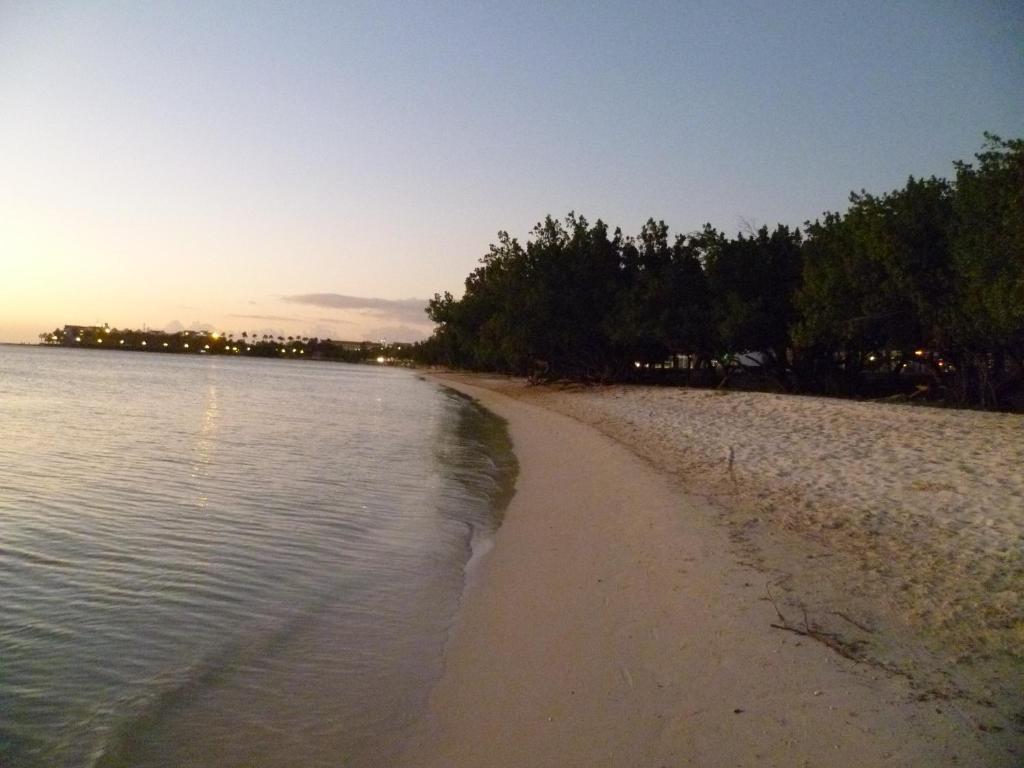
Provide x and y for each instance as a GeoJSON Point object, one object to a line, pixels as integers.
{"type": "Point", "coordinates": [920, 289]}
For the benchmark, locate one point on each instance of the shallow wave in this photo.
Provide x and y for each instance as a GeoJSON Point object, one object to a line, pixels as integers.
{"type": "Point", "coordinates": [209, 561]}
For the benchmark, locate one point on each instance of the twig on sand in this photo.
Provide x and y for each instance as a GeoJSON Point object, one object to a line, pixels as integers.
{"type": "Point", "coordinates": [855, 623]}
{"type": "Point", "coordinates": [831, 640]}
{"type": "Point", "coordinates": [626, 677]}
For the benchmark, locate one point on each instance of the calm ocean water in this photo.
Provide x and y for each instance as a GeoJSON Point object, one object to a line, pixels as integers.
{"type": "Point", "coordinates": [224, 562]}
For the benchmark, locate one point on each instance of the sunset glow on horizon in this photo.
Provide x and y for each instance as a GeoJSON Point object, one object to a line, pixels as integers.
{"type": "Point", "coordinates": [324, 169]}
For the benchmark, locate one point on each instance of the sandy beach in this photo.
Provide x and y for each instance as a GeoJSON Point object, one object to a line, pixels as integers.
{"type": "Point", "coordinates": [687, 578]}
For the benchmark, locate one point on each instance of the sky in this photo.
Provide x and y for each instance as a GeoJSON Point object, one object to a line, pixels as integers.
{"type": "Point", "coordinates": [324, 168]}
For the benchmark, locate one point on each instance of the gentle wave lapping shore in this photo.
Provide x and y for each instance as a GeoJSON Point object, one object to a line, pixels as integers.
{"type": "Point", "coordinates": [742, 579]}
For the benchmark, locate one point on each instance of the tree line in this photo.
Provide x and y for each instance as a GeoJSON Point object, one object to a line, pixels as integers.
{"type": "Point", "coordinates": [919, 291]}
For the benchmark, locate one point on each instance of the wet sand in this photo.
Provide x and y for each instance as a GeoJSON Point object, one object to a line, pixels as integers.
{"type": "Point", "coordinates": [625, 616]}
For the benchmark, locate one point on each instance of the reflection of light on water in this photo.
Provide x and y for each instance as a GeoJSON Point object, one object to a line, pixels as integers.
{"type": "Point", "coordinates": [205, 439]}
{"type": "Point", "coordinates": [254, 619]}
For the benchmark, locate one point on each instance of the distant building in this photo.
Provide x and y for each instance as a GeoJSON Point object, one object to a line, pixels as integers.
{"type": "Point", "coordinates": [72, 332]}
{"type": "Point", "coordinates": [353, 346]}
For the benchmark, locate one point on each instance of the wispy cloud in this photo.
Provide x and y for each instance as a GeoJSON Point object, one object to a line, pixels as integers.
{"type": "Point", "coordinates": [335, 320]}
{"type": "Point", "coordinates": [408, 311]}
{"type": "Point", "coordinates": [269, 318]}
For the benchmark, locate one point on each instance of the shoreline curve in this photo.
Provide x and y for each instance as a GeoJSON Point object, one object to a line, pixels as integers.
{"type": "Point", "coordinates": [614, 624]}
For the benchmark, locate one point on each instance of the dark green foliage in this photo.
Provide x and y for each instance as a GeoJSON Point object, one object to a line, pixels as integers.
{"type": "Point", "coordinates": [663, 306]}
{"type": "Point", "coordinates": [988, 246]}
{"type": "Point", "coordinates": [985, 327]}
{"type": "Point", "coordinates": [920, 289]}
{"type": "Point", "coordinates": [542, 308]}
{"type": "Point", "coordinates": [753, 280]}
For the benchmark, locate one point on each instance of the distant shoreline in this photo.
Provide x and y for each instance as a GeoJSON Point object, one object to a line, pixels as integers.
{"type": "Point", "coordinates": [215, 343]}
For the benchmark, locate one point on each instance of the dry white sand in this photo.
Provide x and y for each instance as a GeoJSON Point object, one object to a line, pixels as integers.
{"type": "Point", "coordinates": [908, 519]}
{"type": "Point", "coordinates": [622, 621]}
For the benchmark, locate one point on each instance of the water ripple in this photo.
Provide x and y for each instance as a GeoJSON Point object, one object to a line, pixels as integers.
{"type": "Point", "coordinates": [220, 561]}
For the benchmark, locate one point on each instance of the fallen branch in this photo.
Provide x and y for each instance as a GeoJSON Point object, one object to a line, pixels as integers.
{"type": "Point", "coordinates": [857, 624]}
{"type": "Point", "coordinates": [828, 639]}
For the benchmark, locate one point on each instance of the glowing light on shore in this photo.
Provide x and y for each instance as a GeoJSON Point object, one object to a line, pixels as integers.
{"type": "Point", "coordinates": [919, 352]}
{"type": "Point", "coordinates": [380, 359]}
{"type": "Point", "coordinates": [121, 341]}
{"type": "Point", "coordinates": [186, 345]}
{"type": "Point", "coordinates": [99, 341]}
{"type": "Point", "coordinates": [165, 344]}
{"type": "Point", "coordinates": [214, 335]}
{"type": "Point", "coordinates": [143, 342]}
{"type": "Point", "coordinates": [78, 338]}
